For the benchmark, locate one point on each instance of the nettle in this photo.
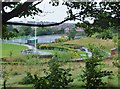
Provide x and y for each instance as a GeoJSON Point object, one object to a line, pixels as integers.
{"type": "Point", "coordinates": [93, 72]}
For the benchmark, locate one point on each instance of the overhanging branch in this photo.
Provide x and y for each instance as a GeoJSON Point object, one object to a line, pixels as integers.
{"type": "Point", "coordinates": [15, 12]}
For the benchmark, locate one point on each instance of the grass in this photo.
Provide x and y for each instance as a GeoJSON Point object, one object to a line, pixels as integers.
{"type": "Point", "coordinates": [54, 51]}
{"type": "Point", "coordinates": [11, 48]}
{"type": "Point", "coordinates": [107, 44]}
{"type": "Point", "coordinates": [17, 72]}
{"type": "Point", "coordinates": [76, 70]}
{"type": "Point", "coordinates": [66, 55]}
{"type": "Point", "coordinates": [51, 51]}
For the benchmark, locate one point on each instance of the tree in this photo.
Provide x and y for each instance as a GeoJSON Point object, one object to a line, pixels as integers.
{"type": "Point", "coordinates": [72, 34]}
{"type": "Point", "coordinates": [93, 73]}
{"type": "Point", "coordinates": [25, 9]}
{"type": "Point", "coordinates": [107, 12]}
{"type": "Point", "coordinates": [8, 31]}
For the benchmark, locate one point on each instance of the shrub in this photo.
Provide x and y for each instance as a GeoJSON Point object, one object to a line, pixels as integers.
{"type": "Point", "coordinates": [72, 34]}
{"type": "Point", "coordinates": [46, 56]}
{"type": "Point", "coordinates": [115, 40]}
{"type": "Point", "coordinates": [66, 56]}
{"type": "Point", "coordinates": [105, 35]}
{"type": "Point", "coordinates": [28, 79]}
{"type": "Point", "coordinates": [20, 60]}
{"type": "Point", "coordinates": [15, 73]}
{"type": "Point", "coordinates": [93, 72]}
{"type": "Point", "coordinates": [55, 78]}
{"type": "Point", "coordinates": [62, 39]}
{"type": "Point", "coordinates": [60, 48]}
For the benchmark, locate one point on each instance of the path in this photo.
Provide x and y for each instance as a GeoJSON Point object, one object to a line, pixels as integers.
{"type": "Point", "coordinates": [32, 47]}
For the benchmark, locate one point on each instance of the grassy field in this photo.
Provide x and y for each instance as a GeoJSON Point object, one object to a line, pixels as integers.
{"type": "Point", "coordinates": [107, 44]}
{"type": "Point", "coordinates": [15, 49]}
{"type": "Point", "coordinates": [11, 49]}
{"type": "Point", "coordinates": [18, 72]}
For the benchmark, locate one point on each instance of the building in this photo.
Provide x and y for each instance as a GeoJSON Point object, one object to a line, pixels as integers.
{"type": "Point", "coordinates": [67, 30]}
{"type": "Point", "coordinates": [32, 41]}
{"type": "Point", "coordinates": [78, 29]}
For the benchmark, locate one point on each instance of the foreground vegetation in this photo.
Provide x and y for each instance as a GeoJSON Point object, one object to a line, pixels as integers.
{"type": "Point", "coordinates": [17, 72]}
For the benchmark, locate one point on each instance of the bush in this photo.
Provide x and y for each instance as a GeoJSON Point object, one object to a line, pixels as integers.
{"type": "Point", "coordinates": [93, 72]}
{"type": "Point", "coordinates": [55, 78]}
{"type": "Point", "coordinates": [20, 60]}
{"type": "Point", "coordinates": [15, 73]}
{"type": "Point", "coordinates": [62, 39]}
{"type": "Point", "coordinates": [106, 35]}
{"type": "Point", "coordinates": [67, 56]}
{"type": "Point", "coordinates": [60, 48]}
{"type": "Point", "coordinates": [46, 56]}
{"type": "Point", "coordinates": [28, 79]}
{"type": "Point", "coordinates": [72, 34]}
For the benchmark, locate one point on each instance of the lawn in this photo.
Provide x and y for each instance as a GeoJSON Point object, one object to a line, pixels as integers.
{"type": "Point", "coordinates": [11, 49]}
{"type": "Point", "coordinates": [107, 44]}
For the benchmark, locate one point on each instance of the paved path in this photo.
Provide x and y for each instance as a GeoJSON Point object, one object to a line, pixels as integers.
{"type": "Point", "coordinates": [32, 47]}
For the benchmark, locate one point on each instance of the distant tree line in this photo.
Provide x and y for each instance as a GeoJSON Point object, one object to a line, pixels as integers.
{"type": "Point", "coordinates": [29, 31]}
{"type": "Point", "coordinates": [98, 31]}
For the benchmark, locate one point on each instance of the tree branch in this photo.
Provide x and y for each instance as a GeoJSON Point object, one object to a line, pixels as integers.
{"type": "Point", "coordinates": [37, 3]}
{"type": "Point", "coordinates": [38, 25]}
{"type": "Point", "coordinates": [15, 12]}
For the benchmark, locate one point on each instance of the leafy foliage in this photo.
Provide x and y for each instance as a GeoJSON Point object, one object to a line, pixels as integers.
{"type": "Point", "coordinates": [72, 34]}
{"type": "Point", "coordinates": [107, 34]}
{"type": "Point", "coordinates": [56, 77]}
{"type": "Point", "coordinates": [93, 72]}
{"type": "Point", "coordinates": [8, 31]}
{"type": "Point", "coordinates": [28, 79]}
{"type": "Point", "coordinates": [116, 63]}
{"type": "Point", "coordinates": [49, 31]}
{"type": "Point", "coordinates": [26, 31]}
{"type": "Point", "coordinates": [115, 40]}
{"type": "Point", "coordinates": [62, 39]}
{"type": "Point", "coordinates": [103, 14]}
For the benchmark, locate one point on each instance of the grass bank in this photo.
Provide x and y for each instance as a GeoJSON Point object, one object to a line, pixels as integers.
{"type": "Point", "coordinates": [107, 44]}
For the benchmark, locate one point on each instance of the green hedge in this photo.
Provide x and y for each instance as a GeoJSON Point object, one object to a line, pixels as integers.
{"type": "Point", "coordinates": [60, 48]}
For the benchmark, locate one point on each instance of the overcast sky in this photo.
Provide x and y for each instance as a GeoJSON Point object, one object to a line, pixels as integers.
{"type": "Point", "coordinates": [55, 13]}
{"type": "Point", "coordinates": [51, 13]}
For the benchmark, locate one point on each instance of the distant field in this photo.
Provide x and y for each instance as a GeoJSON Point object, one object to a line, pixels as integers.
{"type": "Point", "coordinates": [11, 48]}
{"type": "Point", "coordinates": [107, 44]}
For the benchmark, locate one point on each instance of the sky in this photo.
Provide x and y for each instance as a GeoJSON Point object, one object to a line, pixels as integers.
{"type": "Point", "coordinates": [52, 13]}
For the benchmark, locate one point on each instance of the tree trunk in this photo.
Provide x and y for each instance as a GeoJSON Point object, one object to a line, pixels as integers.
{"type": "Point", "coordinates": [4, 84]}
